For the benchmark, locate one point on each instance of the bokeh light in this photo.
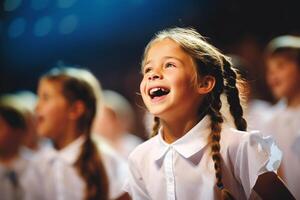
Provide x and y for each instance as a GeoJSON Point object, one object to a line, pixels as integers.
{"type": "Point", "coordinates": [43, 26]}
{"type": "Point", "coordinates": [68, 24]}
{"type": "Point", "coordinates": [65, 3]}
{"type": "Point", "coordinates": [39, 4]}
{"type": "Point", "coordinates": [11, 5]}
{"type": "Point", "coordinates": [16, 27]}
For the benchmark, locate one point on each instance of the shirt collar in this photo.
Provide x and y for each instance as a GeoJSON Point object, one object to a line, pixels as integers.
{"type": "Point", "coordinates": [189, 144]}
{"type": "Point", "coordinates": [70, 153]}
{"type": "Point", "coordinates": [18, 165]}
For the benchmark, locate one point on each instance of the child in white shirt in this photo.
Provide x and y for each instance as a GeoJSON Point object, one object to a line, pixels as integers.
{"type": "Point", "coordinates": [13, 164]}
{"type": "Point", "coordinates": [115, 122]}
{"type": "Point", "coordinates": [192, 154]}
{"type": "Point", "coordinates": [283, 77]}
{"type": "Point", "coordinates": [74, 168]}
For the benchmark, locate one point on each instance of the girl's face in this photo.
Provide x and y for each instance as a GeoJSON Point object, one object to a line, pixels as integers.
{"type": "Point", "coordinates": [52, 109]}
{"type": "Point", "coordinates": [168, 87]}
{"type": "Point", "coordinates": [283, 76]}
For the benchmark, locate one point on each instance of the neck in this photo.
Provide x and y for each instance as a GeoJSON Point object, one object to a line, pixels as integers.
{"type": "Point", "coordinates": [176, 128]}
{"type": "Point", "coordinates": [114, 135]}
{"type": "Point", "coordinates": [66, 138]}
{"type": "Point", "coordinates": [294, 101]}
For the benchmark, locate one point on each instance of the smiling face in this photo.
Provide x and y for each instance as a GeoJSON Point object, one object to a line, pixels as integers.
{"type": "Point", "coordinates": [52, 110]}
{"type": "Point", "coordinates": [169, 88]}
{"type": "Point", "coordinates": [283, 76]}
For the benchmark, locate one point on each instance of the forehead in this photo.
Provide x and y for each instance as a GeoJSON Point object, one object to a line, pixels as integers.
{"type": "Point", "coordinates": [53, 86]}
{"type": "Point", "coordinates": [166, 48]}
{"type": "Point", "coordinates": [281, 59]}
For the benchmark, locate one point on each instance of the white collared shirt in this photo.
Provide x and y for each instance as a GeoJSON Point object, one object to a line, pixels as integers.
{"type": "Point", "coordinates": [11, 179]}
{"type": "Point", "coordinates": [53, 175]}
{"type": "Point", "coordinates": [285, 128]}
{"type": "Point", "coordinates": [184, 169]}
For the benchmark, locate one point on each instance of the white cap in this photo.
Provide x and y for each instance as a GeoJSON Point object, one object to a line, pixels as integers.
{"type": "Point", "coordinates": [286, 41]}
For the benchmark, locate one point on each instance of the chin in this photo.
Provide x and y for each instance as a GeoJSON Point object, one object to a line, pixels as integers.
{"type": "Point", "coordinates": [157, 112]}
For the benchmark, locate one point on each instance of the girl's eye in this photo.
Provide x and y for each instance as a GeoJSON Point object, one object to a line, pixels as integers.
{"type": "Point", "coordinates": [146, 70]}
{"type": "Point", "coordinates": [169, 65]}
{"type": "Point", "coordinates": [45, 97]}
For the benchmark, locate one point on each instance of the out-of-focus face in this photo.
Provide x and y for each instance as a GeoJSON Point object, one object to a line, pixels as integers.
{"type": "Point", "coordinates": [107, 123]}
{"type": "Point", "coordinates": [168, 86]}
{"type": "Point", "coordinates": [52, 110]}
{"type": "Point", "coordinates": [283, 76]}
{"type": "Point", "coordinates": [9, 136]}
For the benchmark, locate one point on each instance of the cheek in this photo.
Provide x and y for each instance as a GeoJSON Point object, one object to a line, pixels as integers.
{"type": "Point", "coordinates": [183, 86]}
{"type": "Point", "coordinates": [143, 88]}
{"type": "Point", "coordinates": [292, 81]}
{"type": "Point", "coordinates": [54, 114]}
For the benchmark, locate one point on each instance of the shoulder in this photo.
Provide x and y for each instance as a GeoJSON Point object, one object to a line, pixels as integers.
{"type": "Point", "coordinates": [252, 145]}
{"type": "Point", "coordinates": [234, 141]}
{"type": "Point", "coordinates": [144, 151]}
{"type": "Point", "coordinates": [234, 137]}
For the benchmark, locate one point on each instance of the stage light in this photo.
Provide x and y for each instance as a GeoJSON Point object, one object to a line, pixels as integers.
{"type": "Point", "coordinates": [16, 27]}
{"type": "Point", "coordinates": [68, 24]}
{"type": "Point", "coordinates": [43, 26]}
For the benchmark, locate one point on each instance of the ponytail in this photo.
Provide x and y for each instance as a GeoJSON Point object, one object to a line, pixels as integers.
{"type": "Point", "coordinates": [92, 170]}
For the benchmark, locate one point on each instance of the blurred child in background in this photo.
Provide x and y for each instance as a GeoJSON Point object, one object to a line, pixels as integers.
{"type": "Point", "coordinates": [257, 111]}
{"type": "Point", "coordinates": [74, 168]}
{"type": "Point", "coordinates": [13, 165]}
{"type": "Point", "coordinates": [25, 101]}
{"type": "Point", "coordinates": [115, 122]}
{"type": "Point", "coordinates": [283, 78]}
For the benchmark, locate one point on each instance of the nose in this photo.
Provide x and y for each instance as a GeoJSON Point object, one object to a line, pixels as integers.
{"type": "Point", "coordinates": [154, 76]}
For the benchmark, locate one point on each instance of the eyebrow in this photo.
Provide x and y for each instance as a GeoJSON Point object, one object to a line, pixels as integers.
{"type": "Point", "coordinates": [165, 58]}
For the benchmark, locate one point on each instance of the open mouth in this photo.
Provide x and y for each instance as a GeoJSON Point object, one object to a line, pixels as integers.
{"type": "Point", "coordinates": [158, 92]}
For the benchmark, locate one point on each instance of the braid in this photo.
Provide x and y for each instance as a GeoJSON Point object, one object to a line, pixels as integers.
{"type": "Point", "coordinates": [216, 122]}
{"type": "Point", "coordinates": [155, 127]}
{"type": "Point", "coordinates": [233, 97]}
{"type": "Point", "coordinates": [214, 103]}
{"type": "Point", "coordinates": [92, 170]}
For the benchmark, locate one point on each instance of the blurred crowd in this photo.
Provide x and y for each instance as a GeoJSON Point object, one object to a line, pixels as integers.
{"type": "Point", "coordinates": [55, 143]}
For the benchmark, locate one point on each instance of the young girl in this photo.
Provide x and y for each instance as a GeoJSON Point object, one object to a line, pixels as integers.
{"type": "Point", "coordinates": [12, 163]}
{"type": "Point", "coordinates": [115, 122]}
{"type": "Point", "coordinates": [283, 77]}
{"type": "Point", "coordinates": [193, 155]}
{"type": "Point", "coordinates": [74, 169]}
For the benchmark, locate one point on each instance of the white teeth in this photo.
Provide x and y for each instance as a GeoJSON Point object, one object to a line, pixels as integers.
{"type": "Point", "coordinates": [153, 90]}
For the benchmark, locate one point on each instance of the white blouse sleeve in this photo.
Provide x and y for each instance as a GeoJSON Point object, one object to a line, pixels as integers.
{"type": "Point", "coordinates": [255, 155]}
{"type": "Point", "coordinates": [135, 184]}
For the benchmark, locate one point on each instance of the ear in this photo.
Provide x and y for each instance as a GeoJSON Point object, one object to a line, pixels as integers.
{"type": "Point", "coordinates": [76, 110]}
{"type": "Point", "coordinates": [206, 84]}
